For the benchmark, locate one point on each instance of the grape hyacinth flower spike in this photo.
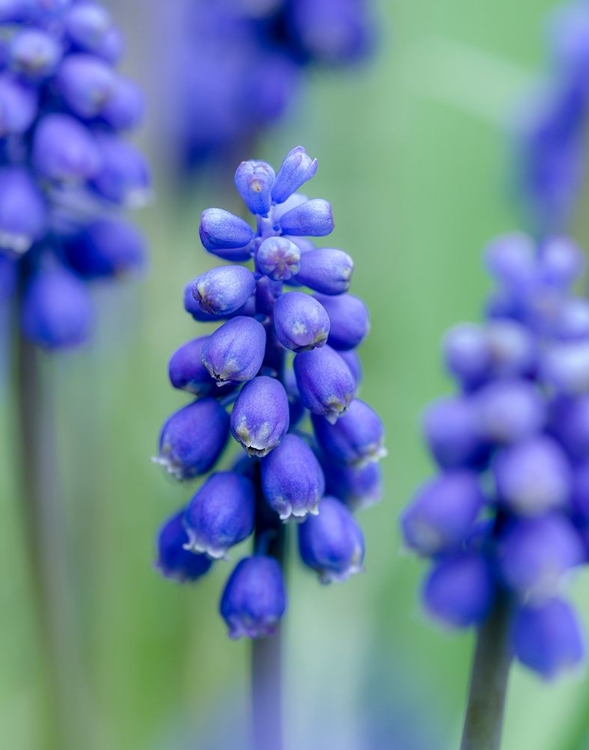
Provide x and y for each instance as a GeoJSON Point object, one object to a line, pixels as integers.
{"type": "Point", "coordinates": [278, 381]}
{"type": "Point", "coordinates": [66, 170]}
{"type": "Point", "coordinates": [504, 522]}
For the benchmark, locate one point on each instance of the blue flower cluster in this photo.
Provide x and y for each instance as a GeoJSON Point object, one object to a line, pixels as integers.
{"type": "Point", "coordinates": [280, 354]}
{"type": "Point", "coordinates": [551, 141]}
{"type": "Point", "coordinates": [235, 68]}
{"type": "Point", "coordinates": [509, 508]}
{"type": "Point", "coordinates": [64, 165]}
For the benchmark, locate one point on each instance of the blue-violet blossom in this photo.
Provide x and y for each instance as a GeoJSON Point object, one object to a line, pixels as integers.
{"type": "Point", "coordinates": [283, 352]}
{"type": "Point", "coordinates": [65, 165]}
{"type": "Point", "coordinates": [507, 513]}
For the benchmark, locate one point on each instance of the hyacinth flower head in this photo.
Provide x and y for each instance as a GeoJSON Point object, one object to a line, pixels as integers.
{"type": "Point", "coordinates": [65, 165]}
{"type": "Point", "coordinates": [278, 379]}
{"type": "Point", "coordinates": [506, 514]}
{"type": "Point", "coordinates": [550, 144]}
{"type": "Point", "coordinates": [224, 55]}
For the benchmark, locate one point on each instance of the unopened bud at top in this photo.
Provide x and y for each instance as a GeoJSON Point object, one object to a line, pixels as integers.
{"type": "Point", "coordinates": [254, 180]}
{"type": "Point", "coordinates": [296, 169]}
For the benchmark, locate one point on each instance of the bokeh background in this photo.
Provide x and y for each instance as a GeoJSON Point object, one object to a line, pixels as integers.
{"type": "Point", "coordinates": [414, 155]}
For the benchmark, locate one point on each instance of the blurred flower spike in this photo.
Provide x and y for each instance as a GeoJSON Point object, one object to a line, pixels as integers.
{"type": "Point", "coordinates": [271, 364]}
{"type": "Point", "coordinates": [550, 133]}
{"type": "Point", "coordinates": [65, 166]}
{"type": "Point", "coordinates": [233, 68]}
{"type": "Point", "coordinates": [508, 510]}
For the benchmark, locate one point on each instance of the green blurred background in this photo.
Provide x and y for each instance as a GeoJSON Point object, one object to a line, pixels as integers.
{"type": "Point", "coordinates": [413, 153]}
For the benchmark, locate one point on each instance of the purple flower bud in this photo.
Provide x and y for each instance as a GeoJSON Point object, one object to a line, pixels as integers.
{"type": "Point", "coordinates": [43, 11]}
{"type": "Point", "coordinates": [56, 311]}
{"type": "Point", "coordinates": [460, 590]}
{"type": "Point", "coordinates": [466, 353]}
{"type": "Point", "coordinates": [569, 423]}
{"type": "Point", "coordinates": [301, 322]}
{"type": "Point", "coordinates": [314, 218]}
{"type": "Point", "coordinates": [18, 106]}
{"type": "Point", "coordinates": [356, 488]}
{"type": "Point", "coordinates": [356, 439]}
{"type": "Point", "coordinates": [279, 211]}
{"type": "Point", "coordinates": [124, 176]}
{"type": "Point", "coordinates": [331, 542]}
{"type": "Point", "coordinates": [106, 248]}
{"type": "Point", "coordinates": [296, 169]}
{"type": "Point", "coordinates": [174, 561]}
{"type": "Point", "coordinates": [509, 411]}
{"type": "Point", "coordinates": [511, 349]}
{"type": "Point", "coordinates": [193, 438]}
{"type": "Point", "coordinates": [220, 230]}
{"type": "Point", "coordinates": [65, 150]}
{"type": "Point", "coordinates": [278, 258]}
{"type": "Point", "coordinates": [221, 514]}
{"type": "Point", "coordinates": [548, 638]}
{"type": "Point", "coordinates": [535, 553]}
{"type": "Point", "coordinates": [326, 270]}
{"type": "Point", "coordinates": [533, 476]}
{"type": "Point", "coordinates": [125, 106]}
{"type": "Point", "coordinates": [292, 479]}
{"type": "Point", "coordinates": [451, 429]}
{"type": "Point", "coordinates": [235, 351]}
{"type": "Point", "coordinates": [260, 417]}
{"type": "Point", "coordinates": [254, 180]}
{"type": "Point", "coordinates": [187, 371]}
{"type": "Point", "coordinates": [566, 367]}
{"type": "Point", "coordinates": [561, 261]}
{"type": "Point", "coordinates": [511, 259]}
{"type": "Point", "coordinates": [34, 54]}
{"type": "Point", "coordinates": [86, 84]}
{"type": "Point", "coordinates": [90, 28]}
{"type": "Point", "coordinates": [223, 290]}
{"type": "Point", "coordinates": [12, 10]}
{"type": "Point", "coordinates": [352, 359]}
{"type": "Point", "coordinates": [23, 212]}
{"type": "Point", "coordinates": [254, 599]}
{"type": "Point", "coordinates": [349, 320]}
{"type": "Point", "coordinates": [442, 513]}
{"type": "Point", "coordinates": [326, 385]}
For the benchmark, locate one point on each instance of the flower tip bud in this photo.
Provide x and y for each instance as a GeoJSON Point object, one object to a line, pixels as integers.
{"type": "Point", "coordinates": [296, 169]}
{"type": "Point", "coordinates": [254, 180]}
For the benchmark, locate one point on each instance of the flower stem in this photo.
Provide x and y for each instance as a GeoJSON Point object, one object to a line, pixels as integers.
{"type": "Point", "coordinates": [44, 541]}
{"type": "Point", "coordinates": [267, 666]}
{"type": "Point", "coordinates": [488, 682]}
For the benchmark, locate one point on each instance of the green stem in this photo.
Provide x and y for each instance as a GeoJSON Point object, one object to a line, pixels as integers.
{"type": "Point", "coordinates": [267, 671]}
{"type": "Point", "coordinates": [44, 538]}
{"type": "Point", "coordinates": [488, 683]}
